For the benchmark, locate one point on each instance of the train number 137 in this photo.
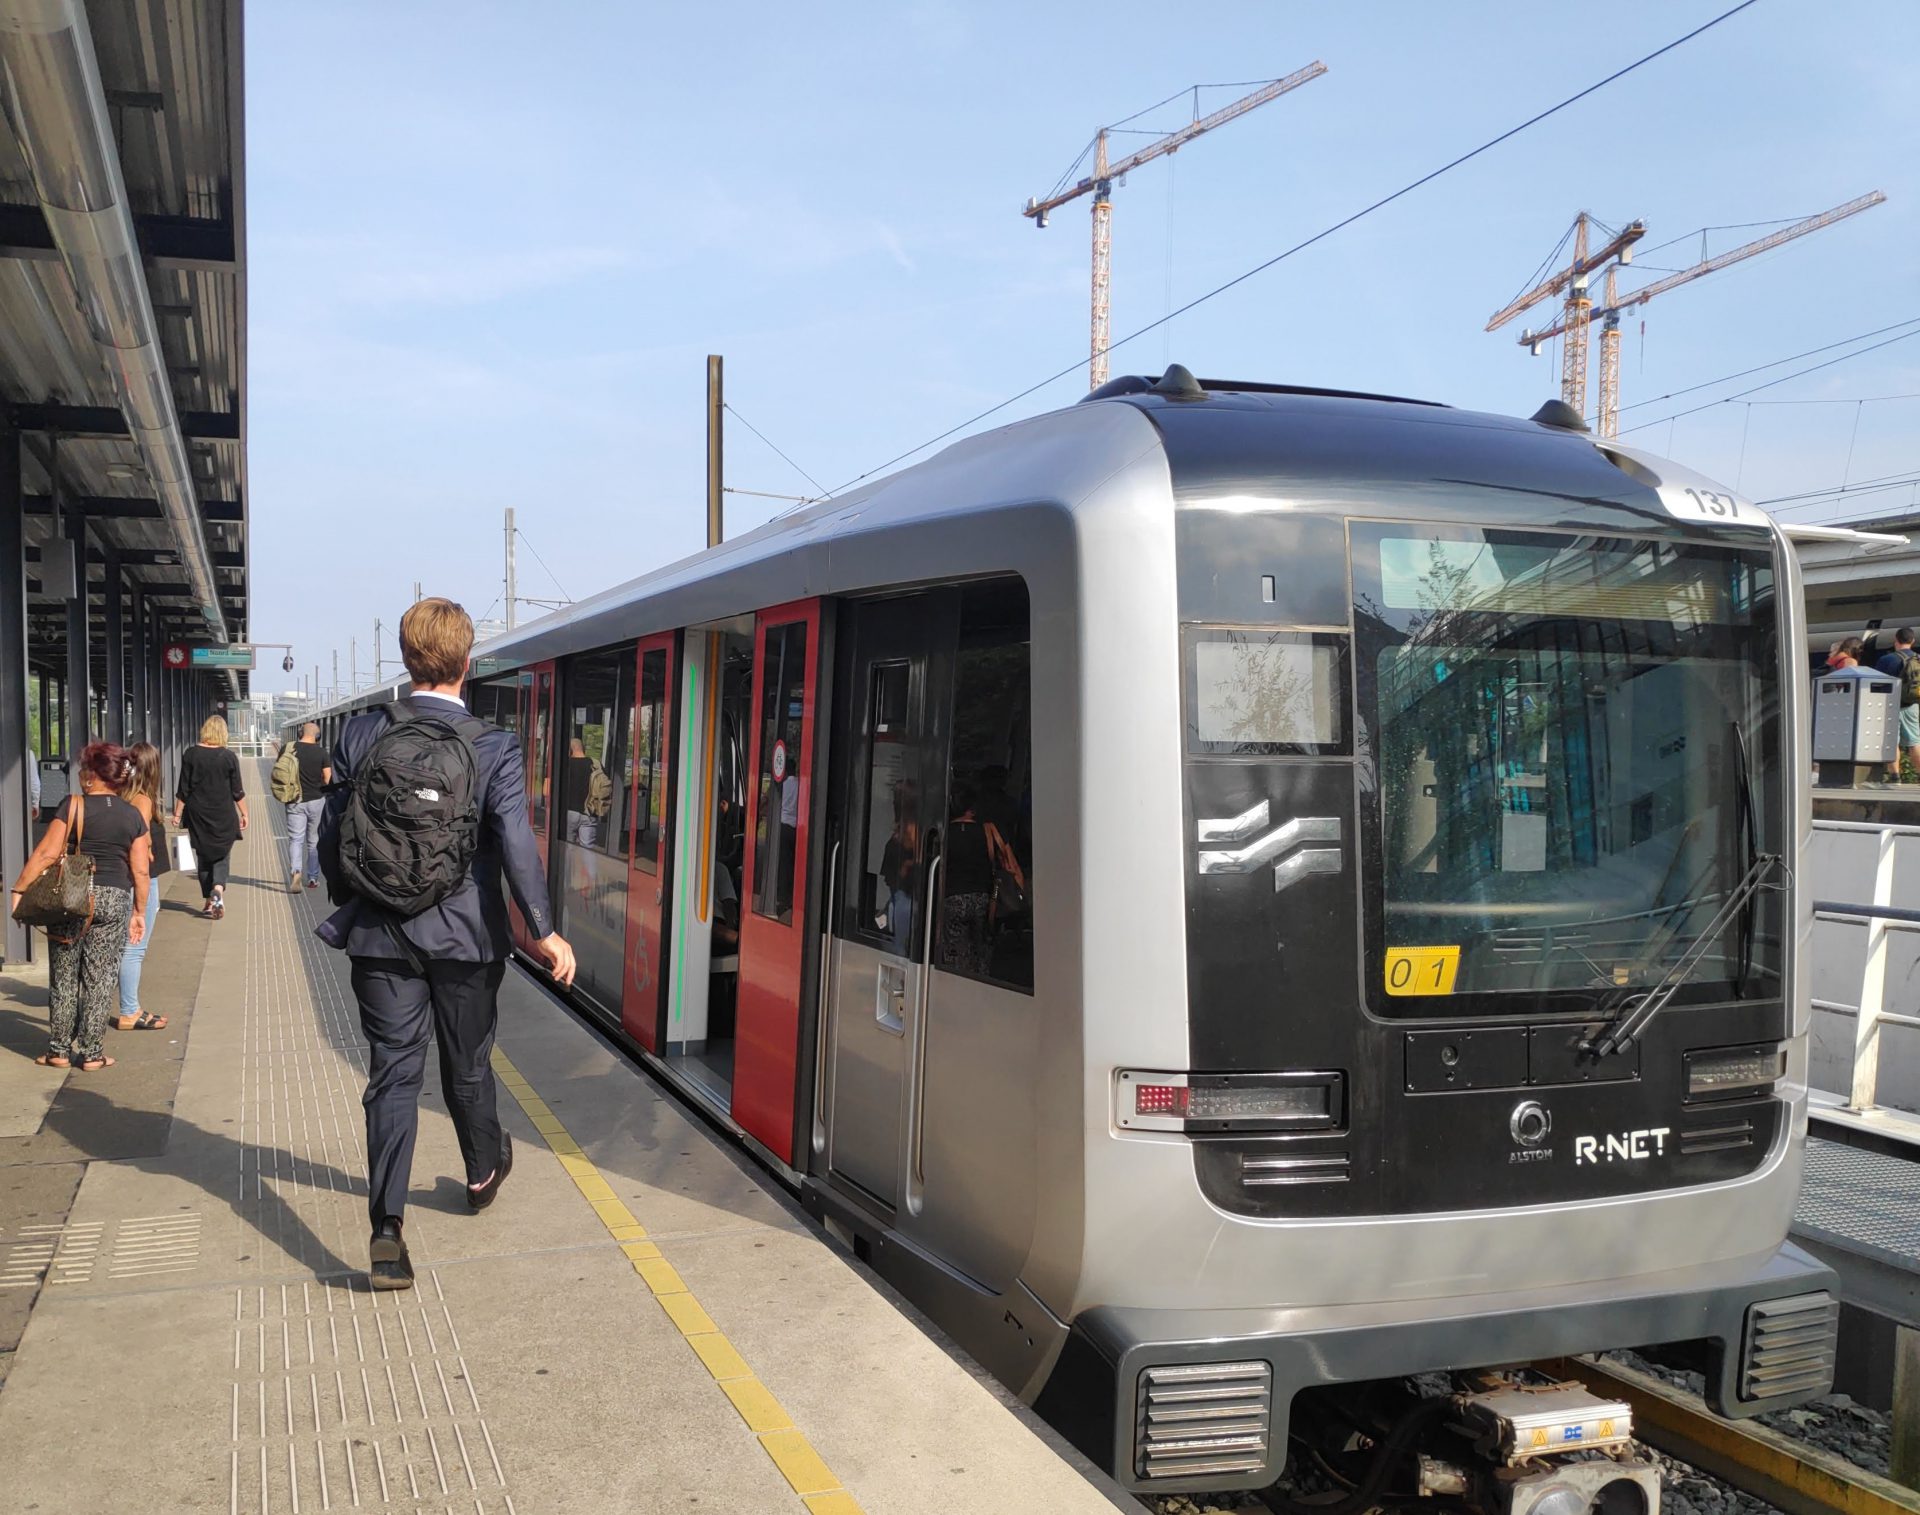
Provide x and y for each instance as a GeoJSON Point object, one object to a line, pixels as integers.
{"type": "Point", "coordinates": [1711, 503]}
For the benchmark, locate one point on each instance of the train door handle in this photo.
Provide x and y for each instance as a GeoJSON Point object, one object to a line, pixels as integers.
{"type": "Point", "coordinates": [890, 999]}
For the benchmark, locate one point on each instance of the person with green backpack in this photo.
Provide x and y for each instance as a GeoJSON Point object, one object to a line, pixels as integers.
{"type": "Point", "coordinates": [1904, 665]}
{"type": "Point", "coordinates": [299, 781]}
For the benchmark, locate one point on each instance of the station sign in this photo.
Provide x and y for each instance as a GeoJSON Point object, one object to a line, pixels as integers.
{"type": "Point", "coordinates": [234, 655]}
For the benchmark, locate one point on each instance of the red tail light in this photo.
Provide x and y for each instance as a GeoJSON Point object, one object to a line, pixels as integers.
{"type": "Point", "coordinates": [1214, 1103]}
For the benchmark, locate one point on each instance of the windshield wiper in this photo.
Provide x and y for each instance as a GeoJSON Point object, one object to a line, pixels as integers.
{"type": "Point", "coordinates": [1750, 821]}
{"type": "Point", "coordinates": [1621, 1031]}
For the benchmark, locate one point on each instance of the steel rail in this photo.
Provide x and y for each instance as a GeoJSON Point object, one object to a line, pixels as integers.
{"type": "Point", "coordinates": [1789, 1474]}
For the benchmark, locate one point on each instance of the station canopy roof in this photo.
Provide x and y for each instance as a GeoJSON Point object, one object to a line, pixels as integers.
{"type": "Point", "coordinates": [169, 89]}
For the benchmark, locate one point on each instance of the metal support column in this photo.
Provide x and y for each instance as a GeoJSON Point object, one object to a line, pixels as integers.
{"type": "Point", "coordinates": [79, 722]}
{"type": "Point", "coordinates": [16, 829]}
{"type": "Point", "coordinates": [114, 728]}
{"type": "Point", "coordinates": [139, 674]}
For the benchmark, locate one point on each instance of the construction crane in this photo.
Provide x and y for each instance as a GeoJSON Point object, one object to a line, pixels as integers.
{"type": "Point", "coordinates": [1572, 282]}
{"type": "Point", "coordinates": [1099, 184]}
{"type": "Point", "coordinates": [1575, 320]}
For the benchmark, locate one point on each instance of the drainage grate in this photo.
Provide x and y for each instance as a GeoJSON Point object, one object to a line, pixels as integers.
{"type": "Point", "coordinates": [1789, 1347]}
{"type": "Point", "coordinates": [1203, 1419]}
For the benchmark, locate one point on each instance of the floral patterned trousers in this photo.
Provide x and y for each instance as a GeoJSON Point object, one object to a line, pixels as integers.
{"type": "Point", "coordinates": [86, 978]}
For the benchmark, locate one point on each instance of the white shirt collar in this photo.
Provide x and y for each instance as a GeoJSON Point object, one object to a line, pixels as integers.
{"type": "Point", "coordinates": [434, 694]}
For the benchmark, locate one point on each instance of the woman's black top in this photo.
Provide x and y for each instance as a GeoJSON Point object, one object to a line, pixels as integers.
{"type": "Point", "coordinates": [157, 860]}
{"type": "Point", "coordinates": [967, 867]}
{"type": "Point", "coordinates": [209, 788]}
{"type": "Point", "coordinates": [107, 836]}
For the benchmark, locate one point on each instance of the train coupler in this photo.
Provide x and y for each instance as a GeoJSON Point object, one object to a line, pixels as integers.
{"type": "Point", "coordinates": [1552, 1448]}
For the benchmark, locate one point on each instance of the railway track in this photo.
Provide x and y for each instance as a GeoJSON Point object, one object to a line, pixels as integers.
{"type": "Point", "coordinates": [1786, 1473]}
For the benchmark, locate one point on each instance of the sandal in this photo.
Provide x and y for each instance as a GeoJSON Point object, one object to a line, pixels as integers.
{"type": "Point", "coordinates": [48, 1060]}
{"type": "Point", "coordinates": [96, 1064]}
{"type": "Point", "coordinates": [141, 1022]}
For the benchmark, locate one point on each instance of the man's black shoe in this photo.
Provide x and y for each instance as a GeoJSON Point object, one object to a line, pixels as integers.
{"type": "Point", "coordinates": [479, 1198]}
{"type": "Point", "coordinates": [390, 1267]}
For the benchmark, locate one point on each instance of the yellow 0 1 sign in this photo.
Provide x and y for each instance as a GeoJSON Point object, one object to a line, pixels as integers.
{"type": "Point", "coordinates": [1422, 970]}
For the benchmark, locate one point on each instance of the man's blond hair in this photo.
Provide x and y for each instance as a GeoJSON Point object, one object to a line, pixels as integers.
{"type": "Point", "coordinates": [436, 639]}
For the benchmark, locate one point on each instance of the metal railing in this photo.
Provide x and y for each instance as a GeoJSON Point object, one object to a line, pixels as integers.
{"type": "Point", "coordinates": [1881, 918]}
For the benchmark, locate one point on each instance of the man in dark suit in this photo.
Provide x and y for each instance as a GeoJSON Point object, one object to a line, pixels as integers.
{"type": "Point", "coordinates": [437, 974]}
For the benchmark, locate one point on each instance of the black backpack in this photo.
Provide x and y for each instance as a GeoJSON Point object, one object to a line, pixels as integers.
{"type": "Point", "coordinates": [412, 820]}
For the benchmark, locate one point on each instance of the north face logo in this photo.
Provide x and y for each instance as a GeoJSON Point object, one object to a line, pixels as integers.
{"type": "Point", "coordinates": [427, 796]}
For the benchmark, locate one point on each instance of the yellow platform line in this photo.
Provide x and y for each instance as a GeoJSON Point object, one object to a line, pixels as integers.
{"type": "Point", "coordinates": [786, 1446]}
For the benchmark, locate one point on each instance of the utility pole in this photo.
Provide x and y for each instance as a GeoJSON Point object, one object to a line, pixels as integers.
{"type": "Point", "coordinates": [513, 588]}
{"type": "Point", "coordinates": [379, 668]}
{"type": "Point", "coordinates": [416, 591]}
{"type": "Point", "coordinates": [353, 665]}
{"type": "Point", "coordinates": [716, 403]}
{"type": "Point", "coordinates": [336, 677]}
{"type": "Point", "coordinates": [1100, 185]}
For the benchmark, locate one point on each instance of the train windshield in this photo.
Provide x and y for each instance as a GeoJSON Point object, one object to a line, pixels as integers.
{"type": "Point", "coordinates": [1575, 749]}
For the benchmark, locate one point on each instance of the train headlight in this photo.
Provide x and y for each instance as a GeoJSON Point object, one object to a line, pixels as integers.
{"type": "Point", "coordinates": [1724, 1072]}
{"type": "Point", "coordinates": [1212, 1103]}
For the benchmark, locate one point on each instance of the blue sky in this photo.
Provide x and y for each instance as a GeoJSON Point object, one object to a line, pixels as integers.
{"type": "Point", "coordinates": [489, 253]}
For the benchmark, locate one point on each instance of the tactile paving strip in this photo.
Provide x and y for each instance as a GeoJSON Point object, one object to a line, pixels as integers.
{"type": "Point", "coordinates": [358, 1399]}
{"type": "Point", "coordinates": [341, 1398]}
{"type": "Point", "coordinates": [1862, 1197]}
{"type": "Point", "coordinates": [68, 1252]}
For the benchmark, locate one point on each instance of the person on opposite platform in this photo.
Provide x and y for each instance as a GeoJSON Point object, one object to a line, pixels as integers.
{"type": "Point", "coordinates": [436, 974]}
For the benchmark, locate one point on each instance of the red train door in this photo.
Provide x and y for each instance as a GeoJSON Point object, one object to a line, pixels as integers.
{"type": "Point", "coordinates": [651, 815]}
{"type": "Point", "coordinates": [773, 924]}
{"type": "Point", "coordinates": [536, 742]}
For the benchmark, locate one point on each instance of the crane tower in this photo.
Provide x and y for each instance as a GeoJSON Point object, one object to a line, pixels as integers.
{"type": "Point", "coordinates": [1579, 313]}
{"type": "Point", "coordinates": [1100, 182]}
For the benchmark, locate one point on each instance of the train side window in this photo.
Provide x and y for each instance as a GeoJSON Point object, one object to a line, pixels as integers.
{"type": "Point", "coordinates": [650, 759]}
{"type": "Point", "coordinates": [782, 788]}
{"type": "Point", "coordinates": [495, 703]}
{"type": "Point", "coordinates": [891, 837]}
{"type": "Point", "coordinates": [594, 779]}
{"type": "Point", "coordinates": [985, 925]}
{"type": "Point", "coordinates": [535, 714]}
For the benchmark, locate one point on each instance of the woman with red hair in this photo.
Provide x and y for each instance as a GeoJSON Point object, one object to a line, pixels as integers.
{"type": "Point", "coordinates": [85, 965]}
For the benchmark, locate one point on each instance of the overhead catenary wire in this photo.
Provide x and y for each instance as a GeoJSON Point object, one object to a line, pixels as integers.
{"type": "Point", "coordinates": [1783, 379]}
{"type": "Point", "coordinates": [543, 563]}
{"type": "Point", "coordinates": [821, 488]}
{"type": "Point", "coordinates": [1317, 237]}
{"type": "Point", "coordinates": [1674, 394]}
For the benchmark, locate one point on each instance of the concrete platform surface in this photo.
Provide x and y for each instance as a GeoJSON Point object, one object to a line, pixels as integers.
{"type": "Point", "coordinates": [642, 1322]}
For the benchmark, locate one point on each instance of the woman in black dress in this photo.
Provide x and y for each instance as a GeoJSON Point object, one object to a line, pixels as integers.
{"type": "Point", "coordinates": [209, 796]}
{"type": "Point", "coordinates": [84, 966]}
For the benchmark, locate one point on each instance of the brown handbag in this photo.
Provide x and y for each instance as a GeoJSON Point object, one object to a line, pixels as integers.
{"type": "Point", "coordinates": [60, 898]}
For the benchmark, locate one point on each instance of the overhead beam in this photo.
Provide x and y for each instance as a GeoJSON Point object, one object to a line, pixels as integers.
{"type": "Point", "coordinates": [114, 507]}
{"type": "Point", "coordinates": [198, 243]}
{"type": "Point", "coordinates": [97, 590]}
{"type": "Point", "coordinates": [90, 422]}
{"type": "Point", "coordinates": [149, 557]}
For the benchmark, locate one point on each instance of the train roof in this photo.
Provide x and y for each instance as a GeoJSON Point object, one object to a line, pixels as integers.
{"type": "Point", "coordinates": [1220, 439]}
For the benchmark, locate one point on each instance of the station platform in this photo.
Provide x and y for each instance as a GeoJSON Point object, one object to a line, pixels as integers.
{"type": "Point", "coordinates": [642, 1321]}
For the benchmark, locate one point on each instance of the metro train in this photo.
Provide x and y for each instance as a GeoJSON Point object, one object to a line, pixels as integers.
{"type": "Point", "coordinates": [1234, 897]}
